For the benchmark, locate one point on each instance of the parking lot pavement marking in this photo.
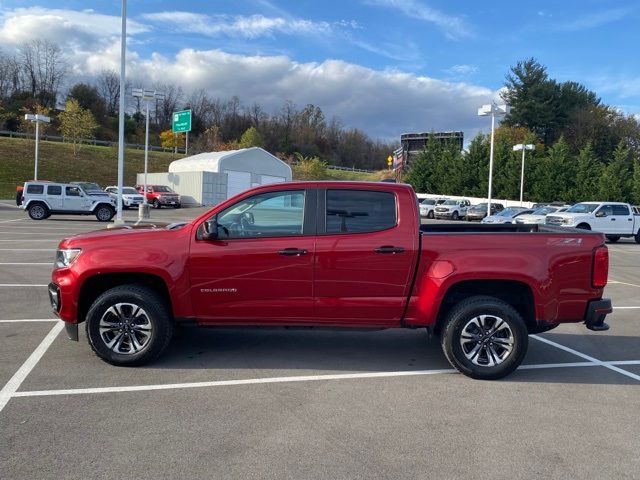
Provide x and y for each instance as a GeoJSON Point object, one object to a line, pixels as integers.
{"type": "Point", "coordinates": [624, 283]}
{"type": "Point", "coordinates": [25, 263]}
{"type": "Point", "coordinates": [307, 378]}
{"type": "Point", "coordinates": [14, 383]}
{"type": "Point", "coordinates": [27, 320]}
{"type": "Point", "coordinates": [27, 249]}
{"type": "Point", "coordinates": [595, 361]}
{"type": "Point", "coordinates": [627, 308]}
{"type": "Point", "coordinates": [23, 285]}
{"type": "Point", "coordinates": [14, 220]}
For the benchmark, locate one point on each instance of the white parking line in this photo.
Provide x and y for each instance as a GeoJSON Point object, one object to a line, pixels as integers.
{"type": "Point", "coordinates": [293, 379]}
{"type": "Point", "coordinates": [595, 361]}
{"type": "Point", "coordinates": [26, 263]}
{"type": "Point", "coordinates": [30, 320]}
{"type": "Point", "coordinates": [23, 240]}
{"type": "Point", "coordinates": [627, 308]}
{"type": "Point", "coordinates": [14, 383]}
{"type": "Point", "coordinates": [15, 220]}
{"type": "Point", "coordinates": [624, 283]}
{"type": "Point", "coordinates": [23, 285]}
{"type": "Point", "coordinates": [27, 249]}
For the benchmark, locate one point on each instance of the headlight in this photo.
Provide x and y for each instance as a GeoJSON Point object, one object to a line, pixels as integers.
{"type": "Point", "coordinates": [566, 221]}
{"type": "Point", "coordinates": [66, 257]}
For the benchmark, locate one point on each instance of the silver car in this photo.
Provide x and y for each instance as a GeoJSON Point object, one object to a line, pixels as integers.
{"type": "Point", "coordinates": [508, 215]}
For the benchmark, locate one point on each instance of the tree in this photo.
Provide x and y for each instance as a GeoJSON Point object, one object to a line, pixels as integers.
{"type": "Point", "coordinates": [251, 138]}
{"type": "Point", "coordinates": [614, 182]}
{"type": "Point", "coordinates": [88, 98]}
{"type": "Point", "coordinates": [635, 186]}
{"type": "Point", "coordinates": [76, 123]}
{"type": "Point", "coordinates": [109, 89]}
{"type": "Point", "coordinates": [588, 171]}
{"type": "Point", "coordinates": [554, 174]}
{"type": "Point", "coordinates": [168, 139]}
{"type": "Point", "coordinates": [310, 168]}
{"type": "Point", "coordinates": [43, 67]}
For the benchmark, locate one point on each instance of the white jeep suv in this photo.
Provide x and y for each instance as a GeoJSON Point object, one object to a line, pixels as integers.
{"type": "Point", "coordinates": [43, 199]}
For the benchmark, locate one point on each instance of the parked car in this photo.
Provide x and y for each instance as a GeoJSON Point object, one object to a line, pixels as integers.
{"type": "Point", "coordinates": [479, 211]}
{"type": "Point", "coordinates": [614, 219]}
{"type": "Point", "coordinates": [428, 205]}
{"type": "Point", "coordinates": [296, 253]}
{"type": "Point", "coordinates": [507, 215]}
{"type": "Point", "coordinates": [130, 196]}
{"type": "Point", "coordinates": [161, 196]}
{"type": "Point", "coordinates": [43, 199]}
{"type": "Point", "coordinates": [539, 215]}
{"type": "Point", "coordinates": [453, 209]}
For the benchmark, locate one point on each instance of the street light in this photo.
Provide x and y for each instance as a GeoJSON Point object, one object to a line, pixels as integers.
{"type": "Point", "coordinates": [524, 148]}
{"type": "Point", "coordinates": [123, 53]}
{"type": "Point", "coordinates": [484, 111]}
{"type": "Point", "coordinates": [147, 96]}
{"type": "Point", "coordinates": [37, 119]}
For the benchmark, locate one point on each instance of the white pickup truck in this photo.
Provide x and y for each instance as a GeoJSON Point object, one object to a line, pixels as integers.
{"type": "Point", "coordinates": [614, 219]}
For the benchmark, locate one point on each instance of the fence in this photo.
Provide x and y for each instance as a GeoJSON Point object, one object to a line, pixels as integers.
{"type": "Point", "coordinates": [88, 141]}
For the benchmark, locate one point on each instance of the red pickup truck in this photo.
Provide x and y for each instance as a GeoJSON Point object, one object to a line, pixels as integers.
{"type": "Point", "coordinates": [331, 254]}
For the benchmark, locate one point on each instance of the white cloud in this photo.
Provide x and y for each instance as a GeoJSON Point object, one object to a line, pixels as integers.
{"type": "Point", "coordinates": [382, 103]}
{"type": "Point", "coordinates": [596, 19]}
{"type": "Point", "coordinates": [82, 29]}
{"type": "Point", "coordinates": [462, 70]}
{"type": "Point", "coordinates": [252, 26]}
{"type": "Point", "coordinates": [454, 27]}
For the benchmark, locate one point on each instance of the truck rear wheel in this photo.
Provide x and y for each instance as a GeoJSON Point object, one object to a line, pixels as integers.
{"type": "Point", "coordinates": [613, 238]}
{"type": "Point", "coordinates": [38, 211]}
{"type": "Point", "coordinates": [129, 325]}
{"type": "Point", "coordinates": [484, 338]}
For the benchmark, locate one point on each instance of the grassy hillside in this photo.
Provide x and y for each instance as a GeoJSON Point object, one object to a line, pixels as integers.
{"type": "Point", "coordinates": [94, 164]}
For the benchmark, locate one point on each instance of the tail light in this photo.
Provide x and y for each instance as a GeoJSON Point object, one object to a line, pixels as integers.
{"type": "Point", "coordinates": [600, 270]}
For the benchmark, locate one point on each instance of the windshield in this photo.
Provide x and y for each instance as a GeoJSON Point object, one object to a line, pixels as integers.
{"type": "Point", "coordinates": [508, 212]}
{"type": "Point", "coordinates": [544, 211]}
{"type": "Point", "coordinates": [428, 201]}
{"type": "Point", "coordinates": [450, 202]}
{"type": "Point", "coordinates": [90, 187]}
{"type": "Point", "coordinates": [480, 206]}
{"type": "Point", "coordinates": [128, 191]}
{"type": "Point", "coordinates": [162, 188]}
{"type": "Point", "coordinates": [583, 208]}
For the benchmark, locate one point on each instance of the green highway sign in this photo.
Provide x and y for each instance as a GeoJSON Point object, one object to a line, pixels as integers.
{"type": "Point", "coordinates": [181, 121]}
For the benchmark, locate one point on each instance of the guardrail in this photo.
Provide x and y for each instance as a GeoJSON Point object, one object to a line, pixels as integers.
{"type": "Point", "coordinates": [338, 167]}
{"type": "Point", "coordinates": [88, 141]}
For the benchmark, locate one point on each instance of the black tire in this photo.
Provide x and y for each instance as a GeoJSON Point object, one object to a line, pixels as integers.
{"type": "Point", "coordinates": [156, 314]}
{"type": "Point", "coordinates": [155, 203]}
{"type": "Point", "coordinates": [18, 198]}
{"type": "Point", "coordinates": [612, 238]}
{"type": "Point", "coordinates": [104, 213]}
{"type": "Point", "coordinates": [461, 317]}
{"type": "Point", "coordinates": [38, 211]}
{"type": "Point", "coordinates": [177, 206]}
{"type": "Point", "coordinates": [430, 215]}
{"type": "Point", "coordinates": [636, 237]}
{"type": "Point", "coordinates": [584, 226]}
{"type": "Point", "coordinates": [455, 216]}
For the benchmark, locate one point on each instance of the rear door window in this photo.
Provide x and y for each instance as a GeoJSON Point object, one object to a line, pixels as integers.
{"type": "Point", "coordinates": [35, 189]}
{"type": "Point", "coordinates": [54, 190]}
{"type": "Point", "coordinates": [620, 210]}
{"type": "Point", "coordinates": [359, 211]}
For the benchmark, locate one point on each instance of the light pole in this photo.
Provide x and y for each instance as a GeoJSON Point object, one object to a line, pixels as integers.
{"type": "Point", "coordinates": [524, 148]}
{"type": "Point", "coordinates": [147, 96]}
{"type": "Point", "coordinates": [37, 119]}
{"type": "Point", "coordinates": [123, 53]}
{"type": "Point", "coordinates": [484, 111]}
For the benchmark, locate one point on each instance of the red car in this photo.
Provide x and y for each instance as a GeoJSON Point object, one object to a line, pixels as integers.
{"type": "Point", "coordinates": [160, 196]}
{"type": "Point", "coordinates": [331, 254]}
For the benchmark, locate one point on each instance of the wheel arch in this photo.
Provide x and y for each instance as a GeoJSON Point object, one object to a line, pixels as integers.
{"type": "Point", "coordinates": [516, 293]}
{"type": "Point", "coordinates": [96, 285]}
{"type": "Point", "coordinates": [36, 200]}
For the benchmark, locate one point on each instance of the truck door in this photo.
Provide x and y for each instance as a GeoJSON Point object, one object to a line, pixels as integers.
{"type": "Point", "coordinates": [365, 253]}
{"type": "Point", "coordinates": [622, 220]}
{"type": "Point", "coordinates": [73, 199]}
{"type": "Point", "coordinates": [54, 196]}
{"type": "Point", "coordinates": [260, 268]}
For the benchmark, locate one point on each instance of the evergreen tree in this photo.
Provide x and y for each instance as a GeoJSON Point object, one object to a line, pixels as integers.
{"type": "Point", "coordinates": [554, 174]}
{"type": "Point", "coordinates": [425, 173]}
{"type": "Point", "coordinates": [476, 167]}
{"type": "Point", "coordinates": [614, 184]}
{"type": "Point", "coordinates": [588, 171]}
{"type": "Point", "coordinates": [635, 185]}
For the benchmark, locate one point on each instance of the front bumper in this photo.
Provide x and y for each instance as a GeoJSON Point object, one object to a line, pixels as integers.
{"type": "Point", "coordinates": [56, 304]}
{"type": "Point", "coordinates": [597, 310]}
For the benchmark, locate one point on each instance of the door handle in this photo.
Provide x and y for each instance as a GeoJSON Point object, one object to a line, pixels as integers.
{"type": "Point", "coordinates": [292, 252]}
{"type": "Point", "coordinates": [389, 249]}
{"type": "Point", "coordinates": [613, 219]}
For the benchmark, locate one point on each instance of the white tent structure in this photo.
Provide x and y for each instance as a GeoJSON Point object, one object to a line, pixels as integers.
{"type": "Point", "coordinates": [212, 177]}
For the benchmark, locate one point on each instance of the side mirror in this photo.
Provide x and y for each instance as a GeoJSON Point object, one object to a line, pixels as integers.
{"type": "Point", "coordinates": [601, 213]}
{"type": "Point", "coordinates": [210, 230]}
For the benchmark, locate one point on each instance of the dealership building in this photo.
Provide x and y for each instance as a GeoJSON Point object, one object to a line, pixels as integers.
{"type": "Point", "coordinates": [211, 177]}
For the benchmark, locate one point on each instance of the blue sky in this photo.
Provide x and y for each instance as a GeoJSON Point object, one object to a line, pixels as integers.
{"type": "Point", "coordinates": [386, 66]}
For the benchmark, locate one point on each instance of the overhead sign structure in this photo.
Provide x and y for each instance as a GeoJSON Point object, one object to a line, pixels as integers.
{"type": "Point", "coordinates": [181, 121]}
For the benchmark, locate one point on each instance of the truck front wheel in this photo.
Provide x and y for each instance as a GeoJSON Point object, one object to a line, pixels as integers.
{"type": "Point", "coordinates": [38, 211]}
{"type": "Point", "coordinates": [129, 325]}
{"type": "Point", "coordinates": [484, 338]}
{"type": "Point", "coordinates": [104, 213]}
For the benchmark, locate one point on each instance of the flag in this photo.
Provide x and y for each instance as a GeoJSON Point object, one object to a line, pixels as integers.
{"type": "Point", "coordinates": [398, 159]}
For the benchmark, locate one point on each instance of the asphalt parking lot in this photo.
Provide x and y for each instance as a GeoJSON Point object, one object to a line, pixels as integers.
{"type": "Point", "coordinates": [251, 403]}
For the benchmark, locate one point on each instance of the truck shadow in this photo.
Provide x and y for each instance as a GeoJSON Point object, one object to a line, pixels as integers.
{"type": "Point", "coordinates": [276, 352]}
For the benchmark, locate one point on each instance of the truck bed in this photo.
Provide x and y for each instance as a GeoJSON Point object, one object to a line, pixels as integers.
{"type": "Point", "coordinates": [486, 228]}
